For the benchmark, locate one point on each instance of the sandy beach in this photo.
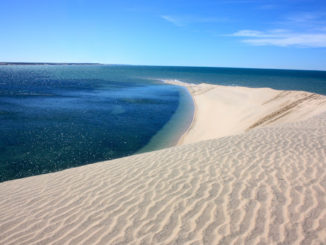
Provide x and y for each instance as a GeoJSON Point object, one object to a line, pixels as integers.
{"type": "Point", "coordinates": [249, 170]}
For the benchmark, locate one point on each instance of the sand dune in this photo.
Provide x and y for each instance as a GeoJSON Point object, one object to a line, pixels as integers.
{"type": "Point", "coordinates": [225, 110]}
{"type": "Point", "coordinates": [265, 186]}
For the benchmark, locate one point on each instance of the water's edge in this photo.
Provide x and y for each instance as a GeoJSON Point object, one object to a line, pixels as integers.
{"type": "Point", "coordinates": [176, 127]}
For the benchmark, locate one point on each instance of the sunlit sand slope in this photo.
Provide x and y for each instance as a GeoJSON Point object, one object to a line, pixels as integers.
{"type": "Point", "coordinates": [228, 110]}
{"type": "Point", "coordinates": [267, 186]}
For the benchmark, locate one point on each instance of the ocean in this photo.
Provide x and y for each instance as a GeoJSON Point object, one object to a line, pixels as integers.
{"type": "Point", "coordinates": [55, 117]}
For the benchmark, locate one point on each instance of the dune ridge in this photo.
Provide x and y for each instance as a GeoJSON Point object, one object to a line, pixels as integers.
{"type": "Point", "coordinates": [264, 186]}
{"type": "Point", "coordinates": [228, 110]}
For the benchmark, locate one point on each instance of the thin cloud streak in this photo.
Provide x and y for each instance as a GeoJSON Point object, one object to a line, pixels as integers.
{"type": "Point", "coordinates": [259, 34]}
{"type": "Point", "coordinates": [307, 17]}
{"type": "Point", "coordinates": [282, 38]}
{"type": "Point", "coordinates": [172, 20]}
{"type": "Point", "coordinates": [304, 20]}
{"type": "Point", "coordinates": [186, 20]}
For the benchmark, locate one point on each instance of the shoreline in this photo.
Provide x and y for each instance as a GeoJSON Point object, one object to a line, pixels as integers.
{"type": "Point", "coordinates": [169, 135]}
{"type": "Point", "coordinates": [193, 120]}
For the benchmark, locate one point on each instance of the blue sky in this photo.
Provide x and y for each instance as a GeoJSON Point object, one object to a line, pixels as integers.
{"type": "Point", "coordinates": [227, 33]}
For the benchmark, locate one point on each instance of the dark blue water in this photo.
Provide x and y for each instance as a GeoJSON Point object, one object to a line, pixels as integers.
{"type": "Point", "coordinates": [311, 81]}
{"type": "Point", "coordinates": [52, 118]}
{"type": "Point", "coordinates": [57, 117]}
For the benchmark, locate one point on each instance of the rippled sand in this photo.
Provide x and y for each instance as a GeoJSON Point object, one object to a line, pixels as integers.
{"type": "Point", "coordinates": [265, 186]}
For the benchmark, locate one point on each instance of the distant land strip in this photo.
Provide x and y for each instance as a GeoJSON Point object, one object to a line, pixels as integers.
{"type": "Point", "coordinates": [45, 63]}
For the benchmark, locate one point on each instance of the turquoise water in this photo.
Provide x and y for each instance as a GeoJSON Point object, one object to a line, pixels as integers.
{"type": "Point", "coordinates": [57, 117]}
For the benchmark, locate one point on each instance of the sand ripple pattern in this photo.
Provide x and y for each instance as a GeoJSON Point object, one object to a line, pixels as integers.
{"type": "Point", "coordinates": [267, 186]}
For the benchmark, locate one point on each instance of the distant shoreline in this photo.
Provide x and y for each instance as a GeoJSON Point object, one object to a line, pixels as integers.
{"type": "Point", "coordinates": [177, 66]}
{"type": "Point", "coordinates": [45, 63]}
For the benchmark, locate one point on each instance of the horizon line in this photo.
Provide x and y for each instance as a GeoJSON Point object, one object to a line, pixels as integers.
{"type": "Point", "coordinates": [194, 66]}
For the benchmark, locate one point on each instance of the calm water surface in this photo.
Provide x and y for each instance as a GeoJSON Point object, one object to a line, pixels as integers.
{"type": "Point", "coordinates": [57, 117]}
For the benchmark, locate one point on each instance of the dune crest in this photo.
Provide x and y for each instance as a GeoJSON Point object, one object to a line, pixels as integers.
{"type": "Point", "coordinates": [228, 110]}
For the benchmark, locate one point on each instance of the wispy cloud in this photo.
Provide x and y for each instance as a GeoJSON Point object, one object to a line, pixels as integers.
{"type": "Point", "coordinates": [306, 18]}
{"type": "Point", "coordinates": [259, 34]}
{"type": "Point", "coordinates": [172, 20]}
{"type": "Point", "coordinates": [305, 29]}
{"type": "Point", "coordinates": [186, 20]}
{"type": "Point", "coordinates": [282, 38]}
{"type": "Point", "coordinates": [304, 21]}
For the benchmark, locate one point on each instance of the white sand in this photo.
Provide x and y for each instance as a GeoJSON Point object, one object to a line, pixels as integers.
{"type": "Point", "coordinates": [265, 186]}
{"type": "Point", "coordinates": [224, 110]}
